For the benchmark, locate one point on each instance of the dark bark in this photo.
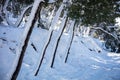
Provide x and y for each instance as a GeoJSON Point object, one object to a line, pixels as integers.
{"type": "Point", "coordinates": [16, 72]}
{"type": "Point", "coordinates": [43, 54]}
{"type": "Point", "coordinates": [34, 47]}
{"type": "Point", "coordinates": [2, 3]}
{"type": "Point", "coordinates": [2, 14]}
{"type": "Point", "coordinates": [68, 52]}
{"type": "Point", "coordinates": [53, 59]}
{"type": "Point", "coordinates": [3, 39]}
{"type": "Point", "coordinates": [44, 50]}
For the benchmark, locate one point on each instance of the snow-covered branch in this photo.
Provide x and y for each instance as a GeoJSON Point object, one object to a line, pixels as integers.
{"type": "Point", "coordinates": [99, 28]}
{"type": "Point", "coordinates": [22, 15]}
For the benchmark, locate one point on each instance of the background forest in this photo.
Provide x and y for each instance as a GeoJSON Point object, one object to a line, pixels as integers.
{"type": "Point", "coordinates": [99, 16]}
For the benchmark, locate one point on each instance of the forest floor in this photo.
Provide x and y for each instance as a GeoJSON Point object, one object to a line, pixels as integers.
{"type": "Point", "coordinates": [87, 59]}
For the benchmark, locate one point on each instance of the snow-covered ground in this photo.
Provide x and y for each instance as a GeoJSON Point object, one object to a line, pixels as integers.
{"type": "Point", "coordinates": [86, 61]}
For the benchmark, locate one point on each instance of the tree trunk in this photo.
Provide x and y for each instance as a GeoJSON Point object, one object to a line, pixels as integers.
{"type": "Point", "coordinates": [43, 54]}
{"type": "Point", "coordinates": [54, 21]}
{"type": "Point", "coordinates": [26, 36]}
{"type": "Point", "coordinates": [58, 39]}
{"type": "Point", "coordinates": [72, 36]}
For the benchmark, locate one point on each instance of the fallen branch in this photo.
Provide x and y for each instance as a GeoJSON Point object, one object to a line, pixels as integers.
{"type": "Point", "coordinates": [34, 47]}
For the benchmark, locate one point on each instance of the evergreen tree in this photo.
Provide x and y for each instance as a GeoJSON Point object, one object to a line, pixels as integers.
{"type": "Point", "coordinates": [94, 12]}
{"type": "Point", "coordinates": [98, 13]}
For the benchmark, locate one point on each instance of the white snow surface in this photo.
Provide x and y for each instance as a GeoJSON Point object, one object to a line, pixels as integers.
{"type": "Point", "coordinates": [84, 61]}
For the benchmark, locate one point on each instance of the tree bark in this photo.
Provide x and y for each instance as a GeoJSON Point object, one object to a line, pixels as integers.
{"type": "Point", "coordinates": [2, 3]}
{"type": "Point", "coordinates": [58, 40]}
{"type": "Point", "coordinates": [54, 21]}
{"type": "Point", "coordinates": [43, 54]}
{"type": "Point", "coordinates": [68, 51]}
{"type": "Point", "coordinates": [27, 33]}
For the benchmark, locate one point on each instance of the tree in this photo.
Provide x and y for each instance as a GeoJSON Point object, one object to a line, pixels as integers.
{"type": "Point", "coordinates": [97, 13]}
{"type": "Point", "coordinates": [72, 28]}
{"type": "Point", "coordinates": [26, 36]}
{"type": "Point", "coordinates": [53, 23]}
{"type": "Point", "coordinates": [94, 12]}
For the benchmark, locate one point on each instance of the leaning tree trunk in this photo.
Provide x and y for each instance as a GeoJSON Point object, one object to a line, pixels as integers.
{"type": "Point", "coordinates": [26, 36]}
{"type": "Point", "coordinates": [54, 21]}
{"type": "Point", "coordinates": [62, 28]}
{"type": "Point", "coordinates": [71, 40]}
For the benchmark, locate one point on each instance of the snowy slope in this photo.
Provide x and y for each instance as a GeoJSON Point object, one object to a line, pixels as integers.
{"type": "Point", "coordinates": [85, 62]}
{"type": "Point", "coordinates": [9, 38]}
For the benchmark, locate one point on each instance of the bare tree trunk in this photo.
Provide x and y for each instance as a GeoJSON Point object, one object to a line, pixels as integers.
{"type": "Point", "coordinates": [43, 54]}
{"type": "Point", "coordinates": [68, 51]}
{"type": "Point", "coordinates": [58, 40]}
{"type": "Point", "coordinates": [54, 21]}
{"type": "Point", "coordinates": [27, 33]}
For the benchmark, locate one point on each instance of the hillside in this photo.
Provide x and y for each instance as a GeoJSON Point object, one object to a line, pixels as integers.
{"type": "Point", "coordinates": [87, 59]}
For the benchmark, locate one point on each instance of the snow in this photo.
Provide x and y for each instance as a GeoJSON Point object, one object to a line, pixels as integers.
{"type": "Point", "coordinates": [23, 37]}
{"type": "Point", "coordinates": [84, 62]}
{"type": "Point", "coordinates": [118, 21]}
{"type": "Point", "coordinates": [9, 38]}
{"type": "Point", "coordinates": [51, 1]}
{"type": "Point", "coordinates": [53, 23]}
{"type": "Point", "coordinates": [70, 38]}
{"type": "Point", "coordinates": [21, 16]}
{"type": "Point", "coordinates": [56, 18]}
{"type": "Point", "coordinates": [87, 59]}
{"type": "Point", "coordinates": [56, 38]}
